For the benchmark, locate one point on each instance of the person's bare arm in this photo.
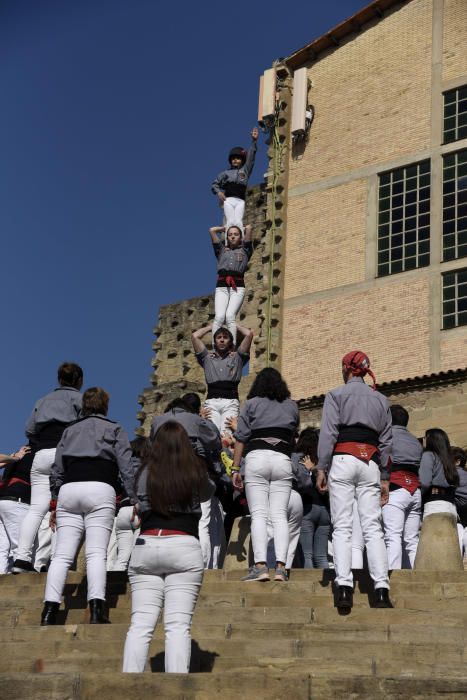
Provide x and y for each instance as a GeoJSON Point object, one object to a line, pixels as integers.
{"type": "Point", "coordinates": [198, 345]}
{"type": "Point", "coordinates": [247, 234]}
{"type": "Point", "coordinates": [237, 480]}
{"type": "Point", "coordinates": [214, 231]}
{"type": "Point", "coordinates": [247, 334]}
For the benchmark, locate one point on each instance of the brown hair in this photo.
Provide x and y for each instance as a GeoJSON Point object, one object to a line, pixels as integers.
{"type": "Point", "coordinates": [70, 374]}
{"type": "Point", "coordinates": [95, 400]}
{"type": "Point", "coordinates": [174, 470]}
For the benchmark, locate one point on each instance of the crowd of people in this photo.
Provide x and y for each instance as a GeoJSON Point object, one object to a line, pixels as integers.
{"type": "Point", "coordinates": [162, 508]}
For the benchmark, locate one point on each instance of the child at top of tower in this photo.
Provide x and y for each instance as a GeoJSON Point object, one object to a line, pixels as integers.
{"type": "Point", "coordinates": [230, 185]}
{"type": "Point", "coordinates": [232, 262]}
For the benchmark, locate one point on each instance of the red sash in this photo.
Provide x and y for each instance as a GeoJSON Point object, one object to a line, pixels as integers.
{"type": "Point", "coordinates": [360, 450]}
{"type": "Point", "coordinates": [10, 482]}
{"type": "Point", "coordinates": [406, 480]}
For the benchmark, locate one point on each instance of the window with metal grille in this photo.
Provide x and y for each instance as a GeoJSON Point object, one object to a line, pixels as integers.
{"type": "Point", "coordinates": [455, 205]}
{"type": "Point", "coordinates": [455, 114]}
{"type": "Point", "coordinates": [404, 219]}
{"type": "Point", "coordinates": [455, 298]}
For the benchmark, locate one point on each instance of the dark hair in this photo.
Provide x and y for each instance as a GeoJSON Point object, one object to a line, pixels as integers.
{"type": "Point", "coordinates": [399, 415]}
{"type": "Point", "coordinates": [458, 454]}
{"type": "Point", "coordinates": [226, 332]}
{"type": "Point", "coordinates": [174, 470]}
{"type": "Point", "coordinates": [69, 374]}
{"type": "Point", "coordinates": [193, 401]}
{"type": "Point", "coordinates": [269, 384]}
{"type": "Point", "coordinates": [95, 400]}
{"type": "Point", "coordinates": [176, 403]}
{"type": "Point", "coordinates": [437, 441]}
{"type": "Point", "coordinates": [307, 444]}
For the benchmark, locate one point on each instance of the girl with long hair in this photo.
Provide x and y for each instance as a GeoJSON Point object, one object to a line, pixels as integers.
{"type": "Point", "coordinates": [266, 428]}
{"type": "Point", "coordinates": [166, 566]}
{"type": "Point", "coordinates": [438, 474]}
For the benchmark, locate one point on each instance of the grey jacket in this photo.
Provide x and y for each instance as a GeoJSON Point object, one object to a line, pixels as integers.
{"type": "Point", "coordinates": [350, 404]}
{"type": "Point", "coordinates": [461, 490]}
{"type": "Point", "coordinates": [222, 368]}
{"type": "Point", "coordinates": [431, 472]}
{"type": "Point", "coordinates": [95, 436]}
{"type": "Point", "coordinates": [63, 405]}
{"type": "Point", "coordinates": [405, 449]}
{"type": "Point", "coordinates": [233, 260]}
{"type": "Point", "coordinates": [261, 412]}
{"type": "Point", "coordinates": [233, 182]}
{"type": "Point", "coordinates": [203, 434]}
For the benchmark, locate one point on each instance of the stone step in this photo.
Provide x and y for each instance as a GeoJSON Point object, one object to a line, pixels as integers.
{"type": "Point", "coordinates": [334, 632]}
{"type": "Point", "coordinates": [228, 685]}
{"type": "Point", "coordinates": [296, 575]}
{"type": "Point", "coordinates": [207, 655]}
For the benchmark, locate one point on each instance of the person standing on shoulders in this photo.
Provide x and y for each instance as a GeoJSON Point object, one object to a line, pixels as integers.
{"type": "Point", "coordinates": [353, 452]}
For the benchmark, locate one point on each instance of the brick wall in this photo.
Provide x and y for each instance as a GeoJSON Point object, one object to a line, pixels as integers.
{"type": "Point", "coordinates": [389, 322]}
{"type": "Point", "coordinates": [455, 39]}
{"type": "Point", "coordinates": [371, 96]}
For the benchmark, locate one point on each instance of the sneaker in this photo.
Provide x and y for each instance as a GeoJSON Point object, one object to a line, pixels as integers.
{"type": "Point", "coordinates": [281, 575]}
{"type": "Point", "coordinates": [21, 566]}
{"type": "Point", "coordinates": [257, 573]}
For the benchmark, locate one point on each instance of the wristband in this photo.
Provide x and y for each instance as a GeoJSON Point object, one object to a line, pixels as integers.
{"type": "Point", "coordinates": [235, 470]}
{"type": "Point", "coordinates": [53, 504]}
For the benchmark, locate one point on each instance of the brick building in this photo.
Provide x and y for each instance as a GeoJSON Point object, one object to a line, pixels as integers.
{"type": "Point", "coordinates": [362, 239]}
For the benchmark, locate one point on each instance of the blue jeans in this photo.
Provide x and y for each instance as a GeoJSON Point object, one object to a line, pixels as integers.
{"type": "Point", "coordinates": [314, 536]}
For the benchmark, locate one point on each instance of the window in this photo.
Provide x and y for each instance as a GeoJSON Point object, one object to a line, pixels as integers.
{"type": "Point", "coordinates": [404, 219]}
{"type": "Point", "coordinates": [455, 298]}
{"type": "Point", "coordinates": [455, 114]}
{"type": "Point", "coordinates": [455, 205]}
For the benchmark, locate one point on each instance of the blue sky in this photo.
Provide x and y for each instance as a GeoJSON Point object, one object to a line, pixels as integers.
{"type": "Point", "coordinates": [115, 116]}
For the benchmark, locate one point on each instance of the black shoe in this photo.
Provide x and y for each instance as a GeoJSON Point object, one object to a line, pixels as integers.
{"type": "Point", "coordinates": [382, 598]}
{"type": "Point", "coordinates": [21, 566]}
{"type": "Point", "coordinates": [49, 614]}
{"type": "Point", "coordinates": [43, 569]}
{"type": "Point", "coordinates": [344, 598]}
{"type": "Point", "coordinates": [97, 608]}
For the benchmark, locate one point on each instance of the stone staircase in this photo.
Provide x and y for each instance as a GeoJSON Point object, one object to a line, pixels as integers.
{"type": "Point", "coordinates": [252, 640]}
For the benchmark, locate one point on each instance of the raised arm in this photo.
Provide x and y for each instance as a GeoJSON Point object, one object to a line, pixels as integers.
{"type": "Point", "coordinates": [248, 334]}
{"type": "Point", "coordinates": [214, 233]}
{"type": "Point", "coordinates": [247, 234]}
{"type": "Point", "coordinates": [198, 345]}
{"type": "Point", "coordinates": [251, 155]}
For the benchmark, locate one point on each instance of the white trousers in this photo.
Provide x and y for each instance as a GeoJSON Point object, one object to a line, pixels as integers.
{"type": "Point", "coordinates": [401, 517]}
{"type": "Point", "coordinates": [126, 537]}
{"type": "Point", "coordinates": [268, 483]}
{"type": "Point", "coordinates": [349, 477]}
{"type": "Point", "coordinates": [462, 535]}
{"type": "Point", "coordinates": [163, 571]}
{"type": "Point", "coordinates": [40, 501]}
{"type": "Point", "coordinates": [294, 520]}
{"type": "Point", "coordinates": [227, 303]}
{"type": "Point", "coordinates": [221, 409]}
{"type": "Point", "coordinates": [358, 544]}
{"type": "Point", "coordinates": [12, 514]}
{"type": "Point", "coordinates": [211, 533]}
{"type": "Point", "coordinates": [82, 506]}
{"type": "Point", "coordinates": [234, 209]}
